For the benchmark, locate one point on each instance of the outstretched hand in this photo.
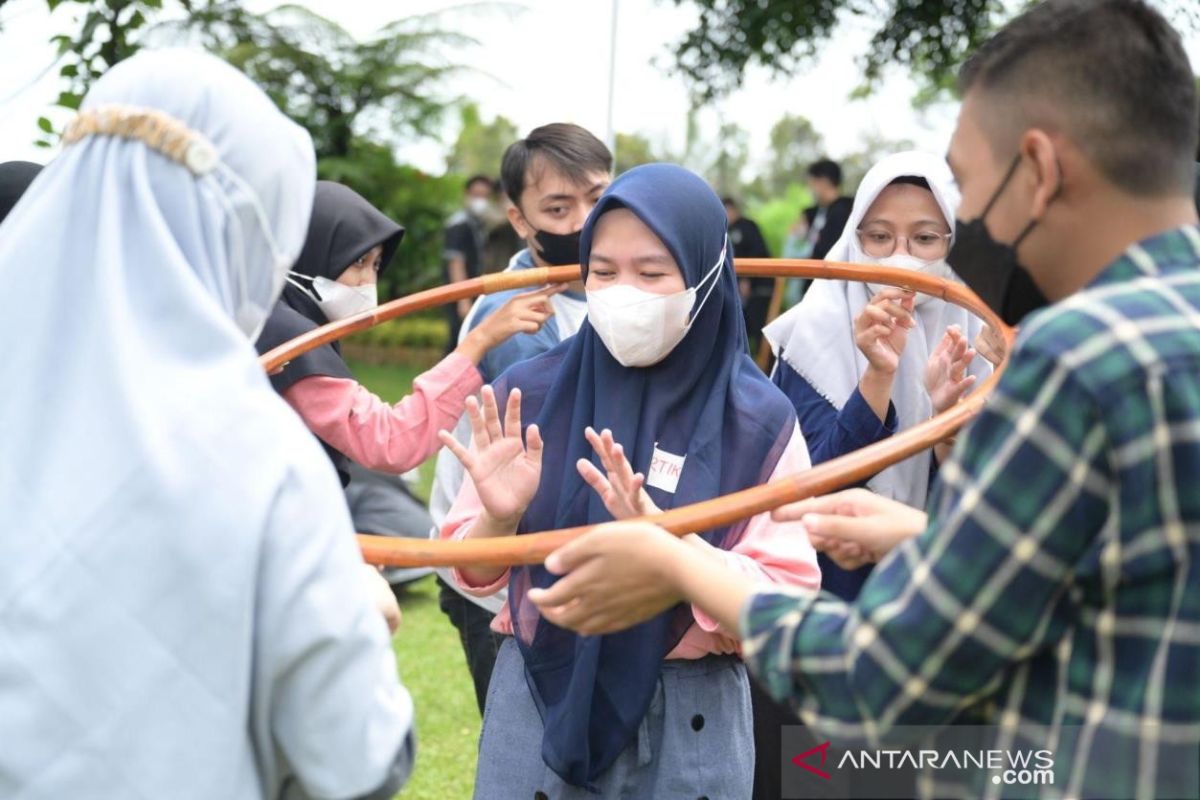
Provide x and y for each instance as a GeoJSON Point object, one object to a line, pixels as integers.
{"type": "Point", "coordinates": [991, 345]}
{"type": "Point", "coordinates": [946, 377]}
{"type": "Point", "coordinates": [622, 490]}
{"type": "Point", "coordinates": [506, 472]}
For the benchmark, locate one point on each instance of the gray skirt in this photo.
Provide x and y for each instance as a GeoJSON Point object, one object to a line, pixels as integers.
{"type": "Point", "coordinates": [697, 740]}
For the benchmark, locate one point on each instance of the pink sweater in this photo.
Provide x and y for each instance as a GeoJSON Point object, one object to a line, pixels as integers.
{"type": "Point", "coordinates": [769, 552]}
{"type": "Point", "coordinates": [380, 436]}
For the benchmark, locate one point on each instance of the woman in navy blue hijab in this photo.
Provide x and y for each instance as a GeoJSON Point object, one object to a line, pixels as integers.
{"type": "Point", "coordinates": [660, 370]}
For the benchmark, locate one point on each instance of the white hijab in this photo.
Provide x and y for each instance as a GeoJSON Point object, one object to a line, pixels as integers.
{"type": "Point", "coordinates": [816, 338]}
{"type": "Point", "coordinates": [181, 612]}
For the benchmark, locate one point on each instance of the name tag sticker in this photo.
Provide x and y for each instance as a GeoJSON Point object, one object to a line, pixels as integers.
{"type": "Point", "coordinates": [664, 471]}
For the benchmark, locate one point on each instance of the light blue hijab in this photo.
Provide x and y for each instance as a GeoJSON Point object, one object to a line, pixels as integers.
{"type": "Point", "coordinates": [181, 608]}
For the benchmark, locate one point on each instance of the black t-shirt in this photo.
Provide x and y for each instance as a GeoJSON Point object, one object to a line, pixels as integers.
{"type": "Point", "coordinates": [464, 239]}
{"type": "Point", "coordinates": [748, 242]}
{"type": "Point", "coordinates": [836, 217]}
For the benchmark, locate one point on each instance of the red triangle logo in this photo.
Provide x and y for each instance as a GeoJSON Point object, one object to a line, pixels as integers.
{"type": "Point", "coordinates": [823, 749]}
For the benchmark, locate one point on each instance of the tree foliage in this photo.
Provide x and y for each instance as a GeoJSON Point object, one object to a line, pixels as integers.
{"type": "Point", "coordinates": [384, 89]}
{"type": "Point", "coordinates": [929, 38]}
{"type": "Point", "coordinates": [633, 149]}
{"type": "Point", "coordinates": [358, 99]}
{"type": "Point", "coordinates": [480, 145]}
{"type": "Point", "coordinates": [107, 33]}
{"type": "Point", "coordinates": [794, 144]}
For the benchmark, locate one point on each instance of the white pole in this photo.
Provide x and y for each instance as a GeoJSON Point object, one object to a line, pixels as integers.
{"type": "Point", "coordinates": [610, 135]}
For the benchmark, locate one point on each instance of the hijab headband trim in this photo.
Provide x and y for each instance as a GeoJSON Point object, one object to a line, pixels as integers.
{"type": "Point", "coordinates": [161, 132]}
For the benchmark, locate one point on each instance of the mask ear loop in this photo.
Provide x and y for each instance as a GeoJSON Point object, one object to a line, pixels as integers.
{"type": "Point", "coordinates": [1012, 168]}
{"type": "Point", "coordinates": [1057, 191]}
{"type": "Point", "coordinates": [715, 267]}
{"type": "Point", "coordinates": [295, 278]}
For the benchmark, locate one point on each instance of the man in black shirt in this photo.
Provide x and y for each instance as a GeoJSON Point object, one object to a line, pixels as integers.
{"type": "Point", "coordinates": [462, 257]}
{"type": "Point", "coordinates": [747, 241]}
{"type": "Point", "coordinates": [828, 217]}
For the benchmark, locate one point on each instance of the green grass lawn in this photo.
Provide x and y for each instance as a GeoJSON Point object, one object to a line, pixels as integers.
{"type": "Point", "coordinates": [429, 656]}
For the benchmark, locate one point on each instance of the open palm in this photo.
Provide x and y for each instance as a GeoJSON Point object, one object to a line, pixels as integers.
{"type": "Point", "coordinates": [505, 471]}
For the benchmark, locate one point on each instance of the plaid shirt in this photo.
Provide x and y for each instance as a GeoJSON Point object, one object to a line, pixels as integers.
{"type": "Point", "coordinates": [1054, 588]}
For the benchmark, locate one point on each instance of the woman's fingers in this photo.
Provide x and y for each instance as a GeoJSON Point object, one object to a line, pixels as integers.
{"type": "Point", "coordinates": [594, 478]}
{"type": "Point", "coordinates": [512, 414]}
{"type": "Point", "coordinates": [479, 434]}
{"type": "Point", "coordinates": [943, 345]}
{"type": "Point", "coordinates": [455, 447]}
{"type": "Point", "coordinates": [533, 444]}
{"type": "Point", "coordinates": [875, 314]}
{"type": "Point", "coordinates": [606, 451]}
{"type": "Point", "coordinates": [624, 470]}
{"type": "Point", "coordinates": [598, 445]}
{"type": "Point", "coordinates": [961, 387]}
{"type": "Point", "coordinates": [491, 414]}
{"type": "Point", "coordinates": [593, 439]}
{"type": "Point", "coordinates": [879, 332]}
{"type": "Point", "coordinates": [891, 293]}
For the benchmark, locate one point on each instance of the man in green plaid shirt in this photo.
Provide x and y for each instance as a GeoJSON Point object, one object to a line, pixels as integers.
{"type": "Point", "coordinates": [1054, 588]}
{"type": "Point", "coordinates": [1056, 583]}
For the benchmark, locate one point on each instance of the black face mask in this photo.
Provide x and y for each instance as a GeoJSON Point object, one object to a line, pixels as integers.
{"type": "Point", "coordinates": [557, 249]}
{"type": "Point", "coordinates": [990, 268]}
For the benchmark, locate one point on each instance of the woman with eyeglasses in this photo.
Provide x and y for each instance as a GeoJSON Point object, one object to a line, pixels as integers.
{"type": "Point", "coordinates": [863, 361]}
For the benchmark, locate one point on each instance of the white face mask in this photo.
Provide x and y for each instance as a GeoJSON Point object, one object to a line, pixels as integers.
{"type": "Point", "coordinates": [337, 300]}
{"type": "Point", "coordinates": [641, 328]}
{"type": "Point", "coordinates": [477, 205]}
{"type": "Point", "coordinates": [936, 269]}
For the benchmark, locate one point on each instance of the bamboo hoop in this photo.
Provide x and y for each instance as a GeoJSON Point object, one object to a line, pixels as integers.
{"type": "Point", "coordinates": [533, 548]}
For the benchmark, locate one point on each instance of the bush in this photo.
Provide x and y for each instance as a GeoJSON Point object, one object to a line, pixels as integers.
{"type": "Point", "coordinates": [776, 216]}
{"type": "Point", "coordinates": [412, 333]}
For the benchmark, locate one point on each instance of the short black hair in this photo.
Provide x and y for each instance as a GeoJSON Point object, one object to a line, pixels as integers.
{"type": "Point", "coordinates": [570, 149]}
{"type": "Point", "coordinates": [912, 180]}
{"type": "Point", "coordinates": [728, 200]}
{"type": "Point", "coordinates": [827, 169]}
{"type": "Point", "coordinates": [484, 179]}
{"type": "Point", "coordinates": [1111, 74]}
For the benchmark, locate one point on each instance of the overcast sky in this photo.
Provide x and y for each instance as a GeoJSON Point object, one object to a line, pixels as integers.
{"type": "Point", "coordinates": [540, 61]}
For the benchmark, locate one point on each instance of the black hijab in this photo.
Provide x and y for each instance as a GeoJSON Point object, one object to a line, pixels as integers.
{"type": "Point", "coordinates": [15, 177]}
{"type": "Point", "coordinates": [343, 228]}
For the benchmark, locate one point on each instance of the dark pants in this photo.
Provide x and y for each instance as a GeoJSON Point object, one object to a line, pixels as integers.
{"type": "Point", "coordinates": [754, 310]}
{"type": "Point", "coordinates": [769, 719]}
{"type": "Point", "coordinates": [454, 324]}
{"type": "Point", "coordinates": [479, 643]}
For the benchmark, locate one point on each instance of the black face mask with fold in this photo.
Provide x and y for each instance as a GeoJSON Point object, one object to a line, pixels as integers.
{"type": "Point", "coordinates": [556, 249]}
{"type": "Point", "coordinates": [991, 268]}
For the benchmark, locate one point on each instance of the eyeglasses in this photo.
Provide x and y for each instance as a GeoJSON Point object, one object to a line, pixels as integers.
{"type": "Point", "coordinates": [881, 243]}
